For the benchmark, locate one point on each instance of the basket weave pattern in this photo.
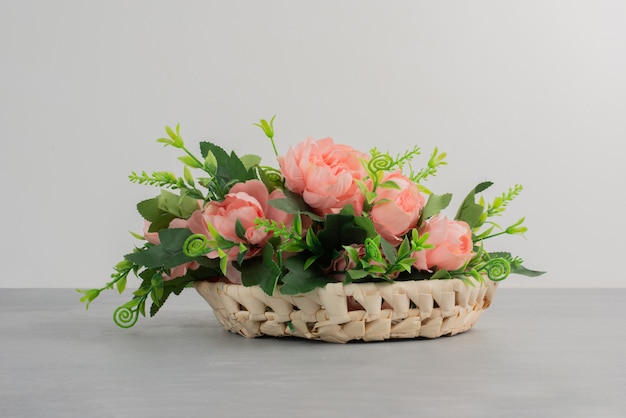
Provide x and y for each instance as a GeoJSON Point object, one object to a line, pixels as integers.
{"type": "Point", "coordinates": [340, 313]}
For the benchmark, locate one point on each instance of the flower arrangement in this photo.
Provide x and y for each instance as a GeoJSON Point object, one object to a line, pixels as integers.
{"type": "Point", "coordinates": [329, 213]}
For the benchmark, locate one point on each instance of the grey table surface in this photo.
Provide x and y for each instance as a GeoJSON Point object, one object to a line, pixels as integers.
{"type": "Point", "coordinates": [534, 353]}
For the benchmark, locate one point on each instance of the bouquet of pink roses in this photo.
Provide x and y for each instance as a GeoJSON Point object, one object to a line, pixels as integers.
{"type": "Point", "coordinates": [329, 213]}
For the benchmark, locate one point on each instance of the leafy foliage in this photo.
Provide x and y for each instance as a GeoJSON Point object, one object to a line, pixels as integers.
{"type": "Point", "coordinates": [300, 280]}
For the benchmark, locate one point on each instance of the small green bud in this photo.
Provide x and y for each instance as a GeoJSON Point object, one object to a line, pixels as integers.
{"type": "Point", "coordinates": [90, 295]}
{"type": "Point", "coordinates": [123, 265]}
{"type": "Point", "coordinates": [267, 127]}
{"type": "Point", "coordinates": [517, 228]}
{"type": "Point", "coordinates": [157, 280]}
{"type": "Point", "coordinates": [176, 139]}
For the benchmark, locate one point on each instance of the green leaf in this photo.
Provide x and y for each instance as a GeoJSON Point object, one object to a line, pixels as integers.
{"type": "Point", "coordinates": [435, 204]}
{"type": "Point", "coordinates": [161, 210]}
{"type": "Point", "coordinates": [389, 184]}
{"type": "Point", "coordinates": [262, 271]}
{"type": "Point", "coordinates": [190, 161]}
{"type": "Point", "coordinates": [309, 262]}
{"type": "Point", "coordinates": [149, 209]}
{"type": "Point", "coordinates": [174, 286]}
{"type": "Point", "coordinates": [142, 307]}
{"type": "Point", "coordinates": [355, 275]}
{"type": "Point", "coordinates": [297, 224]}
{"type": "Point", "coordinates": [240, 230]}
{"type": "Point", "coordinates": [156, 294]}
{"type": "Point", "coordinates": [312, 242]}
{"type": "Point", "coordinates": [243, 250]}
{"type": "Point", "coordinates": [294, 204]}
{"type": "Point", "coordinates": [179, 206]}
{"type": "Point", "coordinates": [223, 260]}
{"type": "Point", "coordinates": [404, 249]}
{"type": "Point", "coordinates": [136, 235]}
{"type": "Point", "coordinates": [188, 177]}
{"type": "Point", "coordinates": [170, 132]}
{"type": "Point", "coordinates": [520, 269]}
{"type": "Point", "coordinates": [298, 280]}
{"type": "Point", "coordinates": [347, 210]}
{"type": "Point", "coordinates": [375, 268]}
{"type": "Point", "coordinates": [166, 141]}
{"type": "Point", "coordinates": [121, 285]}
{"type": "Point", "coordinates": [352, 253]}
{"type": "Point", "coordinates": [210, 163]}
{"type": "Point", "coordinates": [345, 229]}
{"type": "Point", "coordinates": [389, 251]}
{"type": "Point", "coordinates": [131, 303]}
{"type": "Point", "coordinates": [482, 186]}
{"type": "Point", "coordinates": [470, 212]}
{"type": "Point", "coordinates": [441, 274]}
{"type": "Point", "coordinates": [477, 276]}
{"type": "Point", "coordinates": [229, 167]}
{"type": "Point", "coordinates": [250, 160]}
{"type": "Point", "coordinates": [406, 264]}
{"type": "Point", "coordinates": [367, 225]}
{"type": "Point", "coordinates": [142, 291]}
{"type": "Point", "coordinates": [168, 254]}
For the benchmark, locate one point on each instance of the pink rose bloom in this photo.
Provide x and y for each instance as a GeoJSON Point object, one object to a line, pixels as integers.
{"type": "Point", "coordinates": [342, 262]}
{"type": "Point", "coordinates": [324, 174]}
{"type": "Point", "coordinates": [396, 211]}
{"type": "Point", "coordinates": [153, 238]}
{"type": "Point", "coordinates": [245, 202]}
{"type": "Point", "coordinates": [452, 242]}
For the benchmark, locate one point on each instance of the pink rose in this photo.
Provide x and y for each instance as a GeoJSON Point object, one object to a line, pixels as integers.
{"type": "Point", "coordinates": [245, 202]}
{"type": "Point", "coordinates": [342, 262]}
{"type": "Point", "coordinates": [324, 173]}
{"type": "Point", "coordinates": [452, 242]}
{"type": "Point", "coordinates": [153, 238]}
{"type": "Point", "coordinates": [395, 211]}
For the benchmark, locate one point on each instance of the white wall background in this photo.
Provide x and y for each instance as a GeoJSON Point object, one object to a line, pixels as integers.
{"type": "Point", "coordinates": [529, 92]}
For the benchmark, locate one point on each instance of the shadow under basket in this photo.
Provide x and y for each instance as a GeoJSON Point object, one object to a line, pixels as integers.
{"type": "Point", "coordinates": [358, 311]}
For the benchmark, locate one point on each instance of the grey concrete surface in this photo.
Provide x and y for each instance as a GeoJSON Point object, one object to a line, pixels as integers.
{"type": "Point", "coordinates": [534, 353]}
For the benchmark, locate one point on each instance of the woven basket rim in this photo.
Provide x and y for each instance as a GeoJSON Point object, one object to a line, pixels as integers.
{"type": "Point", "coordinates": [354, 311]}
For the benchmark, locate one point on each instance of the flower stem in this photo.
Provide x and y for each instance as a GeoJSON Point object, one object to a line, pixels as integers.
{"type": "Point", "coordinates": [274, 146]}
{"type": "Point", "coordinates": [195, 159]}
{"type": "Point", "coordinates": [494, 235]}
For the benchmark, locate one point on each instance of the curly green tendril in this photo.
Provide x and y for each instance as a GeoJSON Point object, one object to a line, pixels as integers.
{"type": "Point", "coordinates": [372, 250]}
{"type": "Point", "coordinates": [196, 245]}
{"type": "Point", "coordinates": [380, 162]}
{"type": "Point", "coordinates": [125, 317]}
{"type": "Point", "coordinates": [497, 269]}
{"type": "Point", "coordinates": [274, 175]}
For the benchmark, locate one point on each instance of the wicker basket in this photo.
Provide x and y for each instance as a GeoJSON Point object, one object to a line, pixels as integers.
{"type": "Point", "coordinates": [340, 313]}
